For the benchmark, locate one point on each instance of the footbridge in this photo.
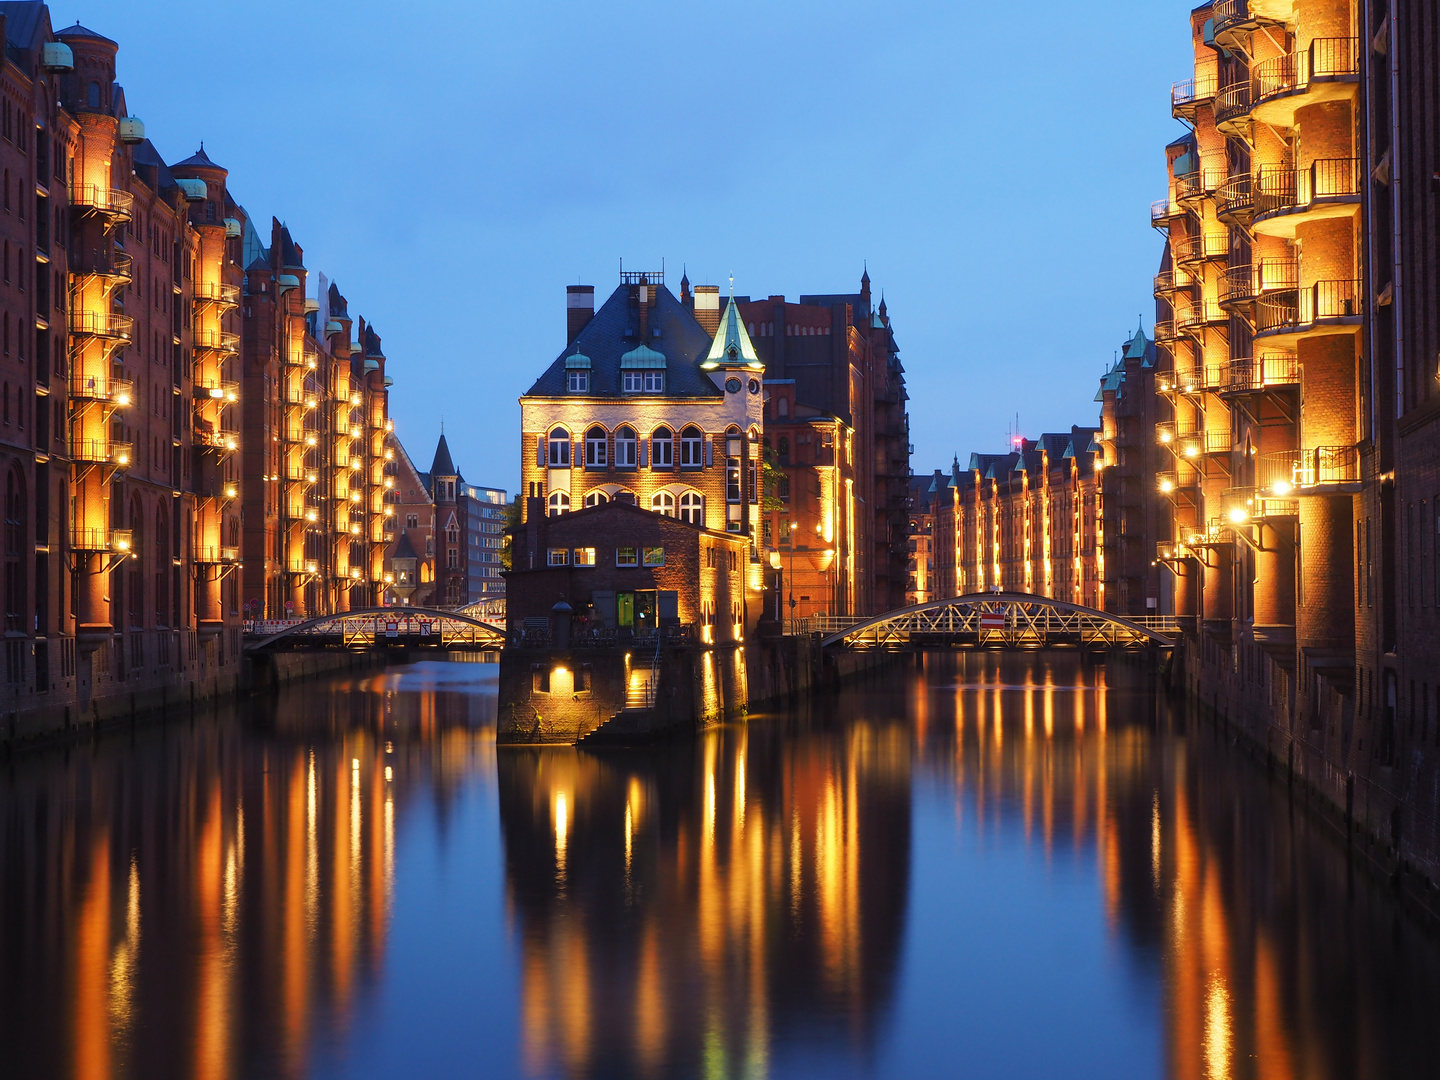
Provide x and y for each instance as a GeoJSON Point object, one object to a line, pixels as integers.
{"type": "Point", "coordinates": [369, 627]}
{"type": "Point", "coordinates": [996, 621]}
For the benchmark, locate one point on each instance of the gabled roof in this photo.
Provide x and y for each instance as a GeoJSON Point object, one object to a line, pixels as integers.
{"type": "Point", "coordinates": [614, 331]}
{"type": "Point", "coordinates": [732, 343]}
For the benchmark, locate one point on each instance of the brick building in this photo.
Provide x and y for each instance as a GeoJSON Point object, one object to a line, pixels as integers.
{"type": "Point", "coordinates": [835, 419]}
{"type": "Point", "coordinates": [150, 368]}
{"type": "Point", "coordinates": [1298, 336]}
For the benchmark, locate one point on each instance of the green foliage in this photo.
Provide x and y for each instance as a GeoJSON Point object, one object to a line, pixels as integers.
{"type": "Point", "coordinates": [512, 523]}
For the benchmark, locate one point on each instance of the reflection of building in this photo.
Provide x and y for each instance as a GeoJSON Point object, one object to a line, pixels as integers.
{"type": "Point", "coordinates": [695, 906]}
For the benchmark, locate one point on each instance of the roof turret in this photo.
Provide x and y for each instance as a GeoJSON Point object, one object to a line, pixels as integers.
{"type": "Point", "coordinates": [732, 346]}
{"type": "Point", "coordinates": [442, 465]}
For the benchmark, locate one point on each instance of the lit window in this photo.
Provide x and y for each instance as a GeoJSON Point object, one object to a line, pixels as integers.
{"type": "Point", "coordinates": [579, 382]}
{"type": "Point", "coordinates": [625, 448]}
{"type": "Point", "coordinates": [596, 498]}
{"type": "Point", "coordinates": [585, 556]}
{"type": "Point", "coordinates": [662, 449]}
{"type": "Point", "coordinates": [559, 503]}
{"type": "Point", "coordinates": [625, 556]}
{"type": "Point", "coordinates": [596, 441]}
{"type": "Point", "coordinates": [559, 557]}
{"type": "Point", "coordinates": [663, 502]}
{"type": "Point", "coordinates": [559, 449]}
{"type": "Point", "coordinates": [654, 556]}
{"type": "Point", "coordinates": [690, 454]}
{"type": "Point", "coordinates": [692, 508]}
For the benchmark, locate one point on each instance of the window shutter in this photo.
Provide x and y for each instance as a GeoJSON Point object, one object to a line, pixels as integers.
{"type": "Point", "coordinates": [642, 451]}
{"type": "Point", "coordinates": [540, 458]}
{"type": "Point", "coordinates": [709, 453]}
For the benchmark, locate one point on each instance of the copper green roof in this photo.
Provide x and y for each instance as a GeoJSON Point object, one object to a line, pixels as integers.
{"type": "Point", "coordinates": [732, 345]}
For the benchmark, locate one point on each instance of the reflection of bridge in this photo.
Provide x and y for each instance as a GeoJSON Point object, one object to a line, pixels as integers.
{"type": "Point", "coordinates": [406, 626]}
{"type": "Point", "coordinates": [995, 621]}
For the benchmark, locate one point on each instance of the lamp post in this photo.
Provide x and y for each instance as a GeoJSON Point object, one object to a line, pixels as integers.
{"type": "Point", "coordinates": [790, 574]}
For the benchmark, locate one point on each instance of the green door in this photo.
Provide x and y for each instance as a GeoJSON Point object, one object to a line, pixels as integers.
{"type": "Point", "coordinates": [625, 608]}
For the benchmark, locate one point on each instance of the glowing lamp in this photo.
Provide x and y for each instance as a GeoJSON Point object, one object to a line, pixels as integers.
{"type": "Point", "coordinates": [355, 573]}
{"type": "Point", "coordinates": [1282, 487]}
{"type": "Point", "coordinates": [216, 393]}
{"type": "Point", "coordinates": [122, 398]}
{"type": "Point", "coordinates": [1166, 486]}
{"type": "Point", "coordinates": [230, 491]}
{"type": "Point", "coordinates": [1191, 450]}
{"type": "Point", "coordinates": [310, 440]}
{"type": "Point", "coordinates": [1238, 515]}
{"type": "Point", "coordinates": [1165, 436]}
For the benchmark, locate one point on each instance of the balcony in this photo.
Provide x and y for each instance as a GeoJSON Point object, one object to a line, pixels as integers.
{"type": "Point", "coordinates": [217, 293]}
{"type": "Point", "coordinates": [300, 396]}
{"type": "Point", "coordinates": [101, 452]}
{"type": "Point", "coordinates": [1323, 470]}
{"type": "Point", "coordinates": [216, 341]}
{"type": "Point", "coordinates": [1235, 200]}
{"type": "Point", "coordinates": [1203, 182]}
{"type": "Point", "coordinates": [1234, 19]}
{"type": "Point", "coordinates": [1189, 250]}
{"type": "Point", "coordinates": [101, 325]}
{"type": "Point", "coordinates": [1272, 371]}
{"type": "Point", "coordinates": [1243, 285]}
{"type": "Point", "coordinates": [1195, 315]}
{"type": "Point", "coordinates": [1192, 443]}
{"type": "Point", "coordinates": [1170, 551]}
{"type": "Point", "coordinates": [1313, 311]}
{"type": "Point", "coordinates": [303, 566]}
{"type": "Point", "coordinates": [1177, 482]}
{"type": "Point", "coordinates": [115, 268]}
{"type": "Point", "coordinates": [220, 440]}
{"type": "Point", "coordinates": [1328, 70]}
{"type": "Point", "coordinates": [118, 392]}
{"type": "Point", "coordinates": [300, 473]}
{"type": "Point", "coordinates": [1232, 108]}
{"type": "Point", "coordinates": [215, 556]}
{"type": "Point", "coordinates": [1253, 504]}
{"type": "Point", "coordinates": [1162, 213]}
{"type": "Point", "coordinates": [214, 390]}
{"type": "Point", "coordinates": [1186, 97]}
{"type": "Point", "coordinates": [111, 203]}
{"type": "Point", "coordinates": [84, 539]}
{"type": "Point", "coordinates": [1287, 198]}
{"type": "Point", "coordinates": [1168, 281]}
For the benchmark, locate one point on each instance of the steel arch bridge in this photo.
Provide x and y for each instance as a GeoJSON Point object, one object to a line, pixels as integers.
{"type": "Point", "coordinates": [1003, 621]}
{"type": "Point", "coordinates": [385, 626]}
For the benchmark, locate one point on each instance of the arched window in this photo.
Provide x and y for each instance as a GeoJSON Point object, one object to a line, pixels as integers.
{"type": "Point", "coordinates": [14, 541]}
{"type": "Point", "coordinates": [625, 447]}
{"type": "Point", "coordinates": [662, 449]}
{"type": "Point", "coordinates": [559, 449]}
{"type": "Point", "coordinates": [782, 408]}
{"type": "Point", "coordinates": [663, 502]}
{"type": "Point", "coordinates": [690, 455]}
{"type": "Point", "coordinates": [93, 98]}
{"type": "Point", "coordinates": [692, 508]}
{"type": "Point", "coordinates": [596, 498]}
{"type": "Point", "coordinates": [596, 442]}
{"type": "Point", "coordinates": [559, 503]}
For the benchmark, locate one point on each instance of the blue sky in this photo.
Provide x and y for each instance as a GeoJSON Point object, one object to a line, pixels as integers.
{"type": "Point", "coordinates": [452, 166]}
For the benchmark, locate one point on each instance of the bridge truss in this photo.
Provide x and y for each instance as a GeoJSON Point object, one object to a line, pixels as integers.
{"type": "Point", "coordinates": [414, 627]}
{"type": "Point", "coordinates": [1000, 621]}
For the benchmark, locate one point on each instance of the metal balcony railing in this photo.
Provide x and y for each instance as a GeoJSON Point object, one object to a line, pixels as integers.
{"type": "Point", "coordinates": [112, 202]}
{"type": "Point", "coordinates": [1235, 198]}
{"type": "Point", "coordinates": [207, 555]}
{"type": "Point", "coordinates": [1324, 59]}
{"type": "Point", "coordinates": [1196, 314]}
{"type": "Point", "coordinates": [1187, 95]}
{"type": "Point", "coordinates": [1270, 371]}
{"type": "Point", "coordinates": [1194, 443]}
{"type": "Point", "coordinates": [102, 324]}
{"type": "Point", "coordinates": [1317, 302]}
{"type": "Point", "coordinates": [1201, 182]}
{"type": "Point", "coordinates": [97, 388]}
{"type": "Point", "coordinates": [1254, 504]}
{"type": "Point", "coordinates": [1280, 190]}
{"type": "Point", "coordinates": [1162, 212]}
{"type": "Point", "coordinates": [215, 390]}
{"type": "Point", "coordinates": [218, 340]}
{"type": "Point", "coordinates": [116, 265]}
{"type": "Point", "coordinates": [221, 439]}
{"type": "Point", "coordinates": [299, 395]}
{"type": "Point", "coordinates": [1233, 103]}
{"type": "Point", "coordinates": [101, 452]}
{"type": "Point", "coordinates": [1285, 472]}
{"type": "Point", "coordinates": [1193, 249]}
{"type": "Point", "coordinates": [91, 539]}
{"type": "Point", "coordinates": [215, 292]}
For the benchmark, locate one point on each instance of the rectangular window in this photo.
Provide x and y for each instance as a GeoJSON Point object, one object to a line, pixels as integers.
{"type": "Point", "coordinates": [579, 382]}
{"type": "Point", "coordinates": [662, 453]}
{"type": "Point", "coordinates": [584, 556]}
{"type": "Point", "coordinates": [732, 479]}
{"type": "Point", "coordinates": [559, 557]}
{"type": "Point", "coordinates": [633, 381]}
{"type": "Point", "coordinates": [654, 556]}
{"type": "Point", "coordinates": [539, 680]}
{"type": "Point", "coordinates": [625, 556]}
{"type": "Point", "coordinates": [654, 382]}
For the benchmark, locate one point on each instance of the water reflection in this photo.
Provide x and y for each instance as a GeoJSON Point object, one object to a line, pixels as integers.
{"type": "Point", "coordinates": [222, 896]}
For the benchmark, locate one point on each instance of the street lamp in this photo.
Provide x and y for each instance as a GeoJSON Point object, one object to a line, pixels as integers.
{"type": "Point", "coordinates": [790, 575]}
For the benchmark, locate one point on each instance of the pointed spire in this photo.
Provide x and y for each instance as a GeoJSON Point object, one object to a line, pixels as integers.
{"type": "Point", "coordinates": [732, 346]}
{"type": "Point", "coordinates": [443, 465]}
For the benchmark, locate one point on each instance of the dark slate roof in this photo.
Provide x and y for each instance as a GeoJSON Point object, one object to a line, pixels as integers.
{"type": "Point", "coordinates": [339, 309]}
{"type": "Point", "coordinates": [289, 257]}
{"type": "Point", "coordinates": [443, 465]}
{"type": "Point", "coordinates": [858, 310]}
{"type": "Point", "coordinates": [613, 332]}
{"type": "Point", "coordinates": [147, 158]}
{"type": "Point", "coordinates": [23, 20]}
{"type": "Point", "coordinates": [403, 548]}
{"type": "Point", "coordinates": [197, 160]}
{"type": "Point", "coordinates": [372, 346]}
{"type": "Point", "coordinates": [76, 31]}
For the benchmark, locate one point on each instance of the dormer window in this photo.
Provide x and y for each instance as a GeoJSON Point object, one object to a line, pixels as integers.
{"type": "Point", "coordinates": [644, 382]}
{"type": "Point", "coordinates": [579, 382]}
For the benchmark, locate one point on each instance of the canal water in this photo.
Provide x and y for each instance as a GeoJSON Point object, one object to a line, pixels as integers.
{"type": "Point", "coordinates": [991, 867]}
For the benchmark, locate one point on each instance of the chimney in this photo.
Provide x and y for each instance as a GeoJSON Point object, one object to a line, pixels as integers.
{"type": "Point", "coordinates": [707, 307]}
{"type": "Point", "coordinates": [579, 309]}
{"type": "Point", "coordinates": [644, 311]}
